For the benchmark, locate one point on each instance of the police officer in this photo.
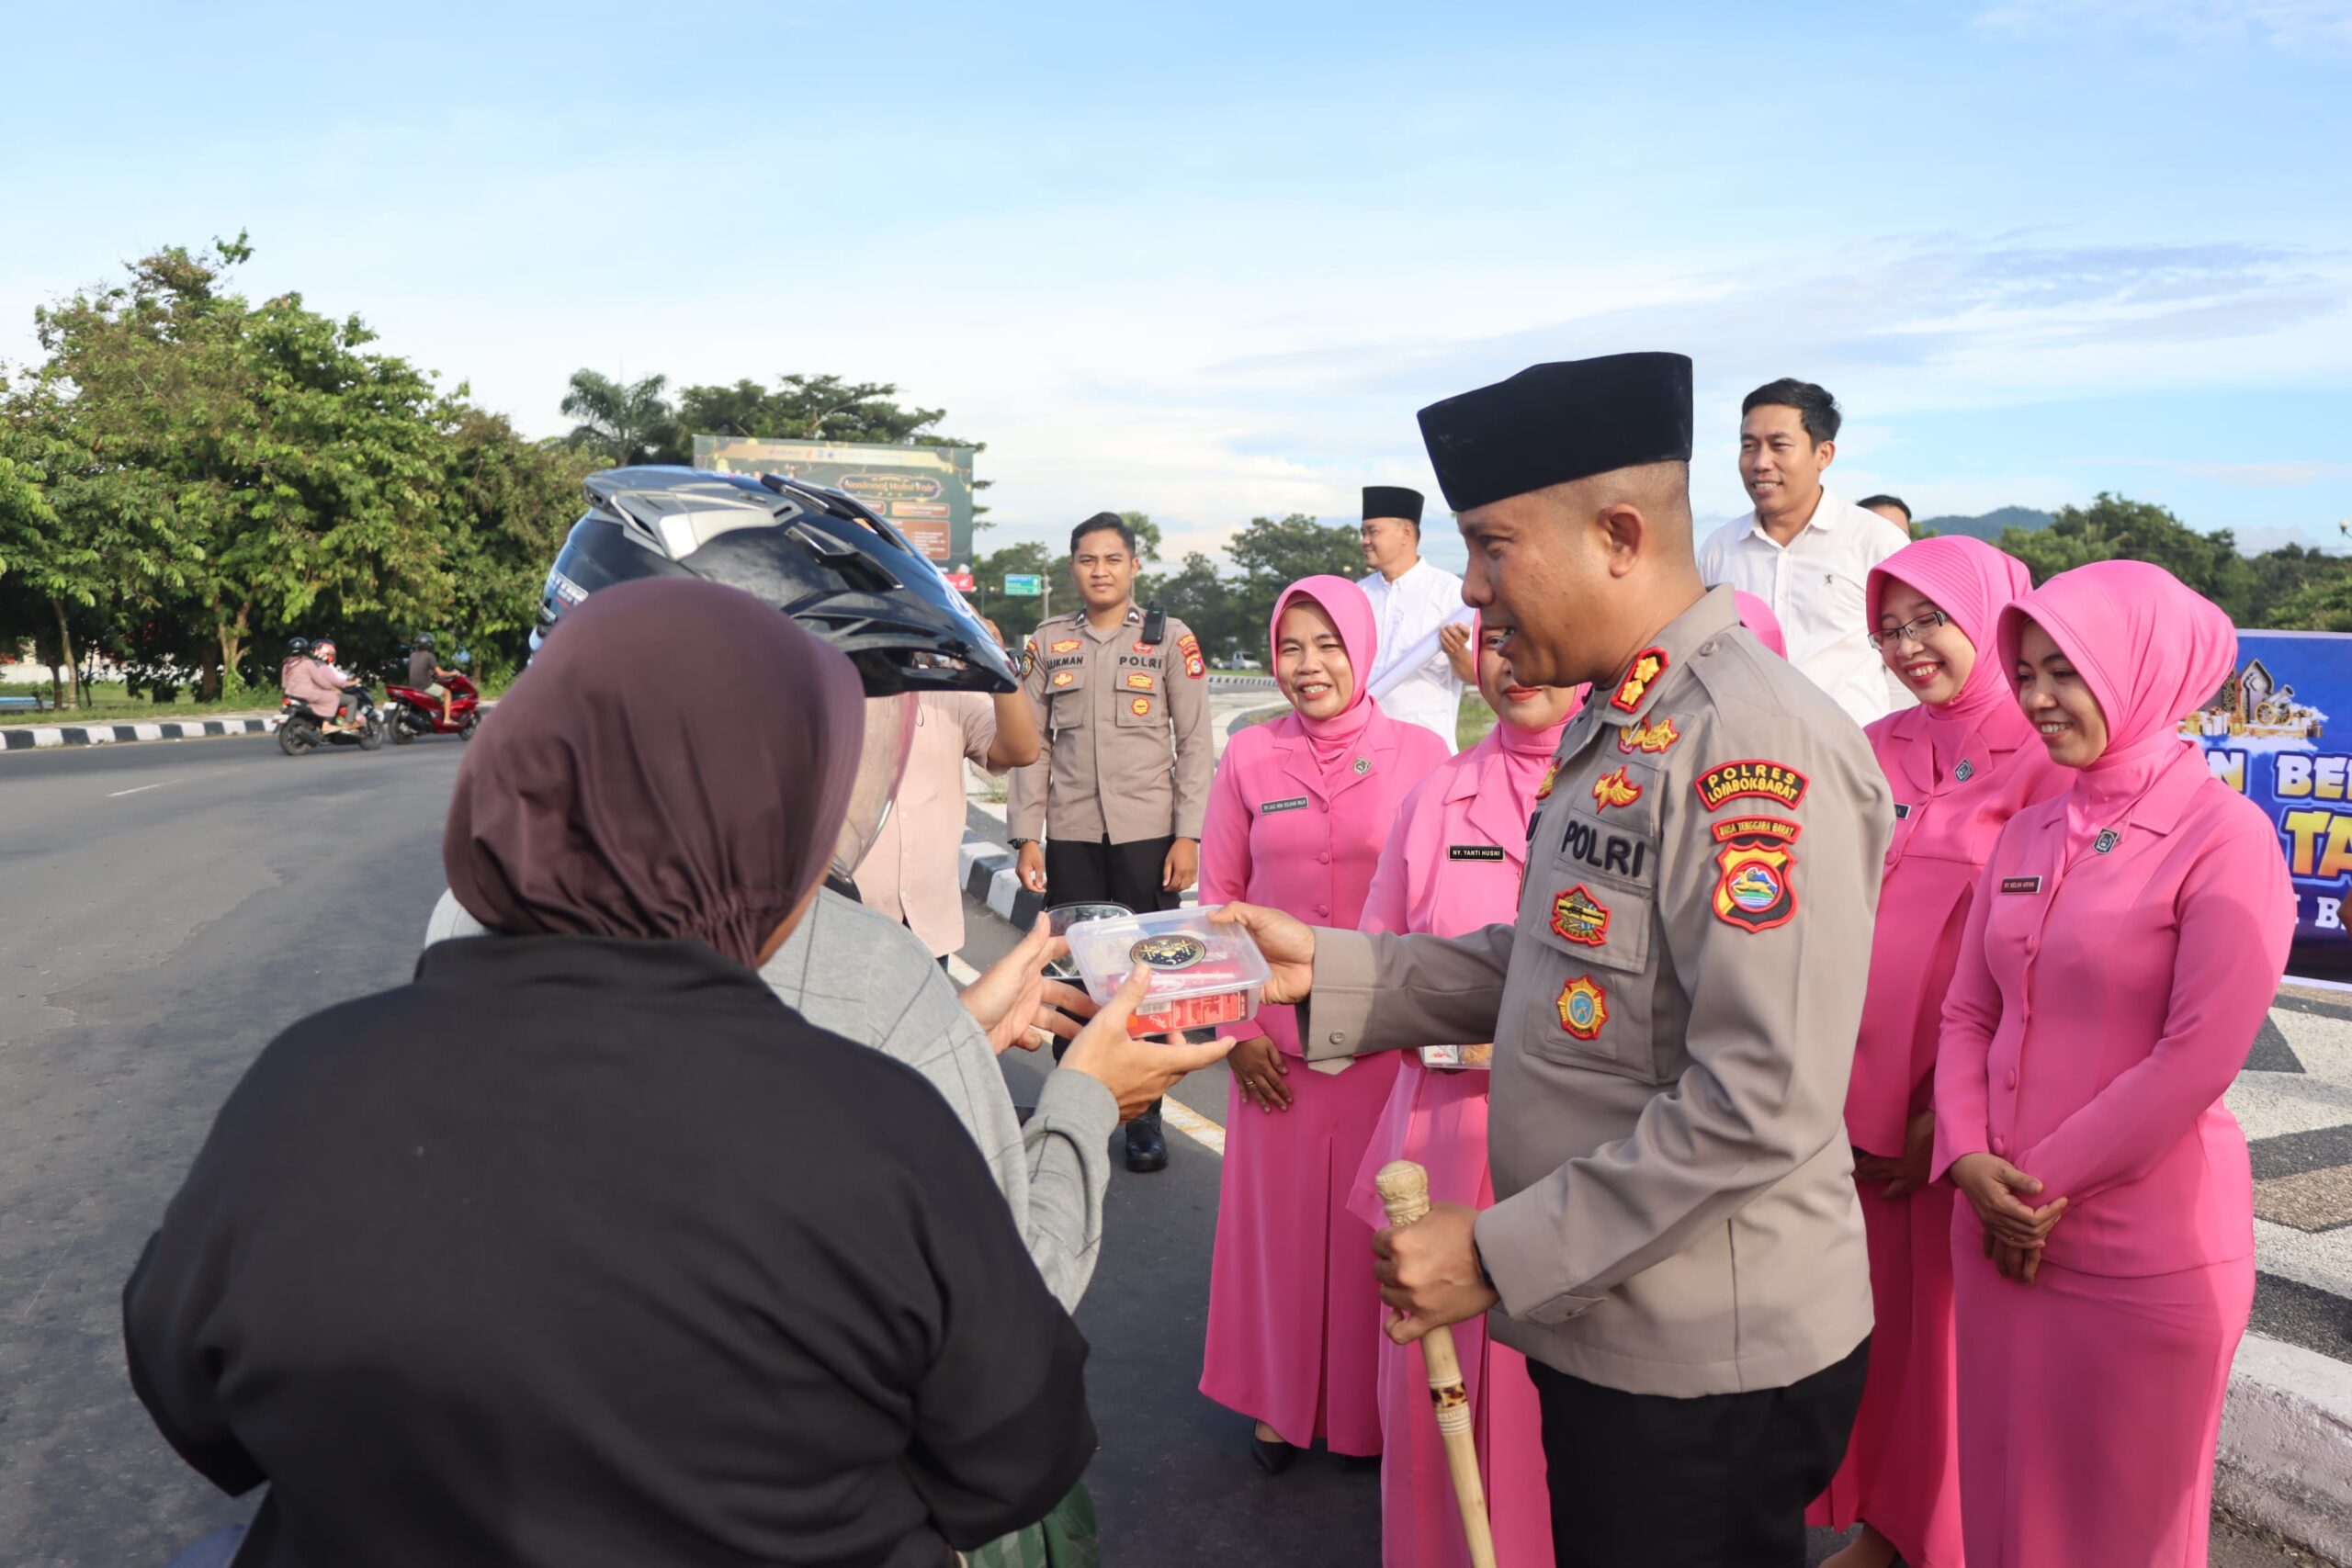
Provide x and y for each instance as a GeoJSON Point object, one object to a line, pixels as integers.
{"type": "Point", "coordinates": [1111, 684]}
{"type": "Point", "coordinates": [1675, 1244]}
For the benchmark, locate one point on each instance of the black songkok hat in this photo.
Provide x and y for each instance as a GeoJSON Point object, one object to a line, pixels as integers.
{"type": "Point", "coordinates": [1551, 424]}
{"type": "Point", "coordinates": [1392, 500]}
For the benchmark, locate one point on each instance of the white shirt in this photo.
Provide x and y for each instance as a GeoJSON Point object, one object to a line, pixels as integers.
{"type": "Point", "coordinates": [1407, 610]}
{"type": "Point", "coordinates": [1815, 584]}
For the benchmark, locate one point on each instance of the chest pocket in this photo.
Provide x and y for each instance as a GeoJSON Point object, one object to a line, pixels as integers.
{"type": "Point", "coordinates": [1066, 695]}
{"type": "Point", "coordinates": [1140, 690]}
{"type": "Point", "coordinates": [1590, 907]}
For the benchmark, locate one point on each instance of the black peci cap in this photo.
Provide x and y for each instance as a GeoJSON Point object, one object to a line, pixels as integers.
{"type": "Point", "coordinates": [1551, 424]}
{"type": "Point", "coordinates": [1392, 500]}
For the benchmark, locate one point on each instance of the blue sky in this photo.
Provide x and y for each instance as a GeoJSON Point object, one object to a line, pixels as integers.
{"type": "Point", "coordinates": [1206, 261]}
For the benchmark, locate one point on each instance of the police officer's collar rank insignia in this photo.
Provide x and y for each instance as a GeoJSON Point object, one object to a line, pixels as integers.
{"type": "Point", "coordinates": [1584, 1008]}
{"type": "Point", "coordinates": [1964, 773]}
{"type": "Point", "coordinates": [2108, 839]}
{"type": "Point", "coordinates": [1651, 737]}
{"type": "Point", "coordinates": [1614, 789]}
{"type": "Point", "coordinates": [1647, 666]}
{"type": "Point", "coordinates": [1579, 918]}
{"type": "Point", "coordinates": [1766, 780]}
{"type": "Point", "coordinates": [1551, 778]}
{"type": "Point", "coordinates": [1755, 891]}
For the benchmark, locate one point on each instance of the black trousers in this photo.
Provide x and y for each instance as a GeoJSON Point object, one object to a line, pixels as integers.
{"type": "Point", "coordinates": [1717, 1481]}
{"type": "Point", "coordinates": [1105, 873]}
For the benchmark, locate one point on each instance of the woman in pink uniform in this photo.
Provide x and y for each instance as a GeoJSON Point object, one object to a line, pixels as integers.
{"type": "Point", "coordinates": [1295, 819]}
{"type": "Point", "coordinates": [1453, 864]}
{"type": "Point", "coordinates": [1961, 765]}
{"type": "Point", "coordinates": [2126, 940]}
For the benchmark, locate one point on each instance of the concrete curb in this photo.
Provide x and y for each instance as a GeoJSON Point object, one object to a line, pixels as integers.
{"type": "Point", "coordinates": [30, 736]}
{"type": "Point", "coordinates": [2286, 1450]}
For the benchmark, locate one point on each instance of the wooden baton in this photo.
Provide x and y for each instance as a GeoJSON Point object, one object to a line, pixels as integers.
{"type": "Point", "coordinates": [1404, 1190]}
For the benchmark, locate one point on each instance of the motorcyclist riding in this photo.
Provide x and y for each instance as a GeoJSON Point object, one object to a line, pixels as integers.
{"type": "Point", "coordinates": [425, 673]}
{"type": "Point", "coordinates": [309, 675]}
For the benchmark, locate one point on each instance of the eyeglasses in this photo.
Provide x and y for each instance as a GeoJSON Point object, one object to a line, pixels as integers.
{"type": "Point", "coordinates": [1913, 630]}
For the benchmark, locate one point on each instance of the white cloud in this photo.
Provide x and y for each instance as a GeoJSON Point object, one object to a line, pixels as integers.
{"type": "Point", "coordinates": [2288, 24]}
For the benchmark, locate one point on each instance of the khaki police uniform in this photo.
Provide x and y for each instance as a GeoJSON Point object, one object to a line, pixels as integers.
{"type": "Point", "coordinates": [1674, 1017]}
{"type": "Point", "coordinates": [1110, 704]}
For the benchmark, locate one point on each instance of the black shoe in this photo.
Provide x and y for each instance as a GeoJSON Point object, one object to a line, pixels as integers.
{"type": "Point", "coordinates": [1147, 1145]}
{"type": "Point", "coordinates": [1272, 1458]}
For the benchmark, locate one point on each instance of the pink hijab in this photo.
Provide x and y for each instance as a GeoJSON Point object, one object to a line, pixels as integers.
{"type": "Point", "coordinates": [1333, 740]}
{"type": "Point", "coordinates": [2151, 649]}
{"type": "Point", "coordinates": [1758, 617]}
{"type": "Point", "coordinates": [1972, 582]}
{"type": "Point", "coordinates": [1515, 758]}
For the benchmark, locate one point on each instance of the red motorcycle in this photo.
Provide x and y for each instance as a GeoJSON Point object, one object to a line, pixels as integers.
{"type": "Point", "coordinates": [411, 713]}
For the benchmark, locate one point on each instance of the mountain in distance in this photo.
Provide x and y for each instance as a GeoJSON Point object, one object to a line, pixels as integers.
{"type": "Point", "coordinates": [1987, 526]}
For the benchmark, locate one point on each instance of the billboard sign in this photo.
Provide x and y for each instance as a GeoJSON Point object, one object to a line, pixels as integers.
{"type": "Point", "coordinates": [2269, 734]}
{"type": "Point", "coordinates": [1023, 585]}
{"type": "Point", "coordinates": [925, 492]}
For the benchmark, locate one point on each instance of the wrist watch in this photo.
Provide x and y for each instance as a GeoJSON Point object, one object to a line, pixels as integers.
{"type": "Point", "coordinates": [1017, 843]}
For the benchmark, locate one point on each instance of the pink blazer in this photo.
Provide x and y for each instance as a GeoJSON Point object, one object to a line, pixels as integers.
{"type": "Point", "coordinates": [2100, 1009]}
{"type": "Point", "coordinates": [1942, 834]}
{"type": "Point", "coordinates": [1454, 856]}
{"type": "Point", "coordinates": [1276, 834]}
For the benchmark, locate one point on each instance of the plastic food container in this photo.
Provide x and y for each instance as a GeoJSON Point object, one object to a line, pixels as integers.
{"type": "Point", "coordinates": [1203, 976]}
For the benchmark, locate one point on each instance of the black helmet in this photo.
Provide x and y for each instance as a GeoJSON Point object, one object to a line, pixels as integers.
{"type": "Point", "coordinates": [297, 646]}
{"type": "Point", "coordinates": [424, 639]}
{"type": "Point", "coordinates": [821, 557]}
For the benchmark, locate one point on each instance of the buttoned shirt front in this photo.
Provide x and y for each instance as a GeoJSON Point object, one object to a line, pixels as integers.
{"type": "Point", "coordinates": [910, 874]}
{"type": "Point", "coordinates": [1407, 610]}
{"type": "Point", "coordinates": [1815, 584]}
{"type": "Point", "coordinates": [1673, 1014]}
{"type": "Point", "coordinates": [1109, 706]}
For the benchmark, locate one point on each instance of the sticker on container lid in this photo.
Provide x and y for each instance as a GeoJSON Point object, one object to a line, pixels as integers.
{"type": "Point", "coordinates": [1173, 951]}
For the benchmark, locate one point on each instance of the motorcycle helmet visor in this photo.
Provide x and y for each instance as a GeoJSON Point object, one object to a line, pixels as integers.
{"type": "Point", "coordinates": [882, 761]}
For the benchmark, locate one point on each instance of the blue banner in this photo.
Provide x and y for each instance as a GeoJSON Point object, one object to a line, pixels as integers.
{"type": "Point", "coordinates": [2269, 734]}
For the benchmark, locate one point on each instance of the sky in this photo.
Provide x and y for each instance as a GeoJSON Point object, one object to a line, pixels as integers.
{"type": "Point", "coordinates": [1206, 261]}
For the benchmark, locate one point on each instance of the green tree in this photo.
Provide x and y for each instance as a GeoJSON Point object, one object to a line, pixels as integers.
{"type": "Point", "coordinates": [1198, 595]}
{"type": "Point", "coordinates": [625, 424]}
{"type": "Point", "coordinates": [1018, 618]}
{"type": "Point", "coordinates": [508, 502]}
{"type": "Point", "coordinates": [2114, 528]}
{"type": "Point", "coordinates": [1148, 540]}
{"type": "Point", "coordinates": [1272, 553]}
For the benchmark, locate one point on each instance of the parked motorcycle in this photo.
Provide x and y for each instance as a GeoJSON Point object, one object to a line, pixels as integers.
{"type": "Point", "coordinates": [411, 712]}
{"type": "Point", "coordinates": [300, 730]}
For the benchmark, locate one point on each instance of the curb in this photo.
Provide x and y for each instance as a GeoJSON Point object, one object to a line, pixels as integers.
{"type": "Point", "coordinates": [29, 737]}
{"type": "Point", "coordinates": [2286, 1448]}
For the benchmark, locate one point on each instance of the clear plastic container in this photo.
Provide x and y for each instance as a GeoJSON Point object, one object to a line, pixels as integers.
{"type": "Point", "coordinates": [1203, 975]}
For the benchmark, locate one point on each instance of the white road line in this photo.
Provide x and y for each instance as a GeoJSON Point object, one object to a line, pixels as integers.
{"type": "Point", "coordinates": [1177, 1114]}
{"type": "Point", "coordinates": [143, 789]}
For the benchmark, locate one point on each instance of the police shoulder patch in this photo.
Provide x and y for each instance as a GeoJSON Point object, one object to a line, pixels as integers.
{"type": "Point", "coordinates": [1750, 776]}
{"type": "Point", "coordinates": [1756, 889]}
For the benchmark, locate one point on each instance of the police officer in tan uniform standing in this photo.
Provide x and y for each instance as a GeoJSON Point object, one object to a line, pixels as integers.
{"type": "Point", "coordinates": [1111, 685]}
{"type": "Point", "coordinates": [1675, 1244]}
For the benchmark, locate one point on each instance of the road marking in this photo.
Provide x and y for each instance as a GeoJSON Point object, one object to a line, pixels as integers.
{"type": "Point", "coordinates": [143, 789]}
{"type": "Point", "coordinates": [1174, 1111]}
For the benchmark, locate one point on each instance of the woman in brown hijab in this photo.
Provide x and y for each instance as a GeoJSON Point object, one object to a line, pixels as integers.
{"type": "Point", "coordinates": [583, 1248]}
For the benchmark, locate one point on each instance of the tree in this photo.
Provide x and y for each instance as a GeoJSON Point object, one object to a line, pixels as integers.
{"type": "Point", "coordinates": [1270, 555]}
{"type": "Point", "coordinates": [627, 424]}
{"type": "Point", "coordinates": [809, 408]}
{"type": "Point", "coordinates": [1197, 595]}
{"type": "Point", "coordinates": [1018, 618]}
{"type": "Point", "coordinates": [1147, 534]}
{"type": "Point", "coordinates": [508, 503]}
{"type": "Point", "coordinates": [2113, 528]}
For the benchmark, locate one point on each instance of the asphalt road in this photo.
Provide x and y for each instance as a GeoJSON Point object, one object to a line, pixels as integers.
{"type": "Point", "coordinates": [171, 906]}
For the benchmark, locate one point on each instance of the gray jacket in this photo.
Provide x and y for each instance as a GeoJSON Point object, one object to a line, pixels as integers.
{"type": "Point", "coordinates": [860, 975]}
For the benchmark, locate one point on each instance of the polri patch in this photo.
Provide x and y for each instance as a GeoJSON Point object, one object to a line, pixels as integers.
{"type": "Point", "coordinates": [1296, 803]}
{"type": "Point", "coordinates": [1647, 666]}
{"type": "Point", "coordinates": [1474, 851]}
{"type": "Point", "coordinates": [1766, 780]}
{"type": "Point", "coordinates": [1650, 737]}
{"type": "Point", "coordinates": [1614, 789]}
{"type": "Point", "coordinates": [1615, 854]}
{"type": "Point", "coordinates": [2108, 839]}
{"type": "Point", "coordinates": [1584, 1008]}
{"type": "Point", "coordinates": [1579, 918]}
{"type": "Point", "coordinates": [1755, 891]}
{"type": "Point", "coordinates": [2020, 885]}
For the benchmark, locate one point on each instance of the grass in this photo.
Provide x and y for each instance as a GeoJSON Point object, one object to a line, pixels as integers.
{"type": "Point", "coordinates": [106, 702]}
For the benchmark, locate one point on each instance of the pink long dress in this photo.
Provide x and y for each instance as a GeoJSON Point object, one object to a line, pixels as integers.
{"type": "Point", "coordinates": [1453, 864]}
{"type": "Point", "coordinates": [2126, 939]}
{"type": "Point", "coordinates": [1295, 821]}
{"type": "Point", "coordinates": [1960, 771]}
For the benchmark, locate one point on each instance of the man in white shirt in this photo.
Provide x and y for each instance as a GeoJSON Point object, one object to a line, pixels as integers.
{"type": "Point", "coordinates": [1803, 551]}
{"type": "Point", "coordinates": [1418, 674]}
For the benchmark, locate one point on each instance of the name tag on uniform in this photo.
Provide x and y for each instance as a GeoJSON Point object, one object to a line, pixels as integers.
{"type": "Point", "coordinates": [1901, 811]}
{"type": "Point", "coordinates": [1474, 851]}
{"type": "Point", "coordinates": [2020, 885]}
{"type": "Point", "coordinates": [1296, 803]}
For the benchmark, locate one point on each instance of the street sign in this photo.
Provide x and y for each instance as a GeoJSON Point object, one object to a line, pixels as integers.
{"type": "Point", "coordinates": [1024, 585]}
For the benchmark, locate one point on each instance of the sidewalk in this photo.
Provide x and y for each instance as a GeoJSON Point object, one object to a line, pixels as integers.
{"type": "Point", "coordinates": [29, 737]}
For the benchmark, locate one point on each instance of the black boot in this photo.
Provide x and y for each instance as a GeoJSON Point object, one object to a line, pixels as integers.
{"type": "Point", "coordinates": [1147, 1145]}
